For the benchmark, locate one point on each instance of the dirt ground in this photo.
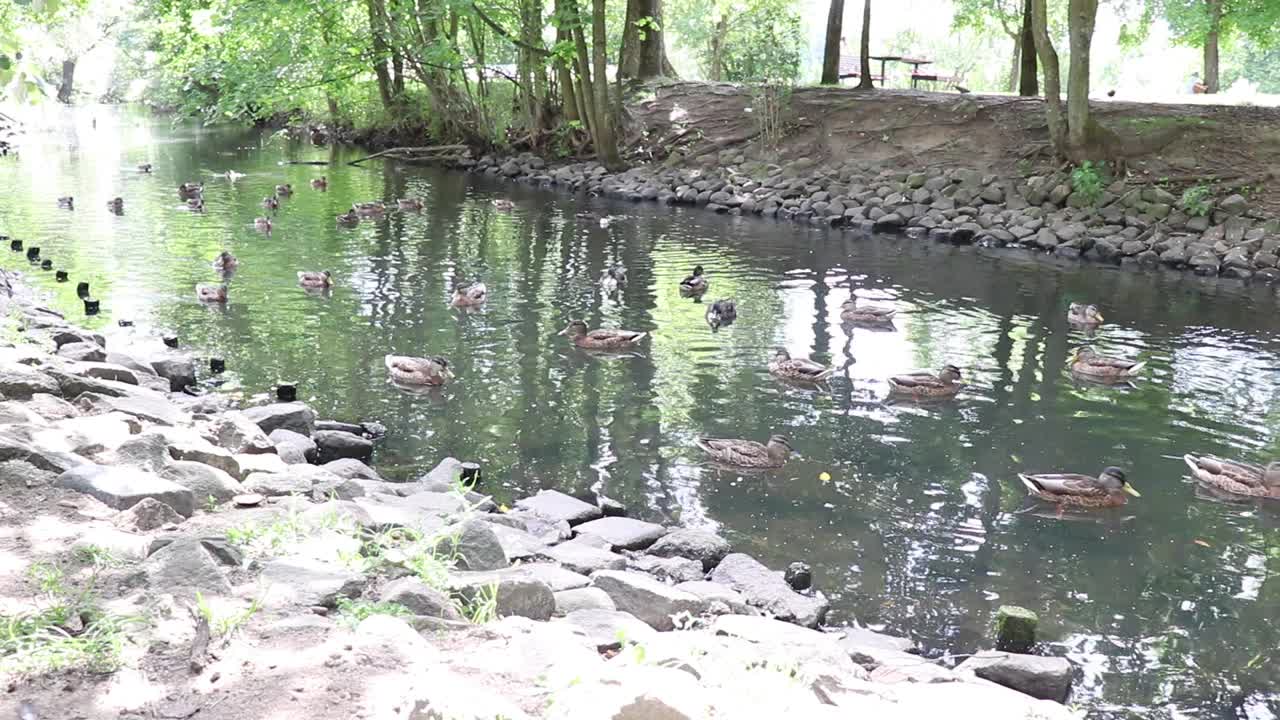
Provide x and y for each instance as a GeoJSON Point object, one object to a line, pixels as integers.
{"type": "Point", "coordinates": [1234, 148]}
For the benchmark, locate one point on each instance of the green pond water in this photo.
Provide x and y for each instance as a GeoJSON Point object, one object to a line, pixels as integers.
{"type": "Point", "coordinates": [1170, 606]}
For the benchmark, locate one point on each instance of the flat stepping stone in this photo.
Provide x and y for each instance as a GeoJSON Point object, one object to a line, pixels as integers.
{"type": "Point", "coordinates": [624, 533]}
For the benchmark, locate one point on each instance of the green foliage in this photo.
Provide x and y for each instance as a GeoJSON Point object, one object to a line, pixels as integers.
{"type": "Point", "coordinates": [752, 41]}
{"type": "Point", "coordinates": [1087, 180]}
{"type": "Point", "coordinates": [352, 612]}
{"type": "Point", "coordinates": [483, 606]}
{"type": "Point", "coordinates": [1197, 200]}
{"type": "Point", "coordinates": [224, 626]}
{"type": "Point", "coordinates": [1191, 21]}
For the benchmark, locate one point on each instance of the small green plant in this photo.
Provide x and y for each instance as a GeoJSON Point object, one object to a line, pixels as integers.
{"type": "Point", "coordinates": [224, 626]}
{"type": "Point", "coordinates": [770, 103]}
{"type": "Point", "coordinates": [483, 606]}
{"type": "Point", "coordinates": [1086, 179]}
{"type": "Point", "coordinates": [210, 504]}
{"type": "Point", "coordinates": [1197, 200]}
{"type": "Point", "coordinates": [275, 537]}
{"type": "Point", "coordinates": [352, 612]}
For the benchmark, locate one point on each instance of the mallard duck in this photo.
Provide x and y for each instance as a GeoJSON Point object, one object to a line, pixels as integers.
{"type": "Point", "coordinates": [926, 385]}
{"type": "Point", "coordinates": [1084, 315]}
{"type": "Point", "coordinates": [865, 315]}
{"type": "Point", "coordinates": [722, 312]}
{"type": "Point", "coordinates": [613, 277]}
{"type": "Point", "coordinates": [189, 190]}
{"type": "Point", "coordinates": [418, 370]}
{"type": "Point", "coordinates": [409, 204]}
{"type": "Point", "coordinates": [320, 183]}
{"type": "Point", "coordinates": [271, 202]}
{"type": "Point", "coordinates": [144, 167]}
{"type": "Point", "coordinates": [469, 294]}
{"type": "Point", "coordinates": [788, 368]}
{"type": "Point", "coordinates": [67, 202]}
{"type": "Point", "coordinates": [232, 175]}
{"type": "Point", "coordinates": [195, 204]}
{"type": "Point", "coordinates": [285, 189]}
{"type": "Point", "coordinates": [695, 284]}
{"type": "Point", "coordinates": [116, 205]}
{"type": "Point", "coordinates": [312, 279]}
{"type": "Point", "coordinates": [1093, 366]}
{"type": "Point", "coordinates": [503, 204]}
{"type": "Point", "coordinates": [211, 293]}
{"type": "Point", "coordinates": [606, 221]}
{"type": "Point", "coordinates": [369, 208]}
{"type": "Point", "coordinates": [225, 262]}
{"type": "Point", "coordinates": [601, 338]}
{"type": "Point", "coordinates": [1106, 490]}
{"type": "Point", "coordinates": [748, 453]}
{"type": "Point", "coordinates": [1236, 478]}
{"type": "Point", "coordinates": [349, 218]}
{"type": "Point", "coordinates": [262, 223]}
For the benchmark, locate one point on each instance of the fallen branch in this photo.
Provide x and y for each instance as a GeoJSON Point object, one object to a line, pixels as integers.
{"type": "Point", "coordinates": [306, 162]}
{"type": "Point", "coordinates": [410, 150]}
{"type": "Point", "coordinates": [199, 656]}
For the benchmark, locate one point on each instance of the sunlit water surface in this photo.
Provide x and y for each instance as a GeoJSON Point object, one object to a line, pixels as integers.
{"type": "Point", "coordinates": [1171, 606]}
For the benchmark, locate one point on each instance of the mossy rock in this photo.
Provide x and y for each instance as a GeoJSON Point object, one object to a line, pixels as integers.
{"type": "Point", "coordinates": [1015, 629]}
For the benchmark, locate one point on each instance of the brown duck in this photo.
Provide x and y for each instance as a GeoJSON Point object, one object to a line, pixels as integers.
{"type": "Point", "coordinates": [601, 338]}
{"type": "Point", "coordinates": [1237, 478]}
{"type": "Point", "coordinates": [926, 386]}
{"type": "Point", "coordinates": [748, 453]}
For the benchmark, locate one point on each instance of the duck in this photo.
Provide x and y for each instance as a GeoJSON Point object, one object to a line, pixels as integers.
{"type": "Point", "coordinates": [788, 368]}
{"type": "Point", "coordinates": [374, 207]}
{"type": "Point", "coordinates": [225, 262]}
{"type": "Point", "coordinates": [601, 338]}
{"type": "Point", "coordinates": [606, 221]}
{"type": "Point", "coordinates": [722, 312]}
{"type": "Point", "coordinates": [313, 279]}
{"type": "Point", "coordinates": [195, 204]}
{"type": "Point", "coordinates": [409, 204]}
{"type": "Point", "coordinates": [418, 370]}
{"type": "Point", "coordinates": [865, 315]}
{"type": "Point", "coordinates": [503, 204]}
{"type": "Point", "coordinates": [67, 202]}
{"type": "Point", "coordinates": [232, 175]}
{"type": "Point", "coordinates": [613, 277]}
{"type": "Point", "coordinates": [116, 205]}
{"type": "Point", "coordinates": [1086, 491]}
{"type": "Point", "coordinates": [285, 189]}
{"type": "Point", "coordinates": [469, 294]}
{"type": "Point", "coordinates": [1090, 365]}
{"type": "Point", "coordinates": [263, 224]}
{"type": "Point", "coordinates": [211, 293]}
{"type": "Point", "coordinates": [748, 453]}
{"type": "Point", "coordinates": [1084, 315]}
{"type": "Point", "coordinates": [320, 183]}
{"type": "Point", "coordinates": [695, 284]}
{"type": "Point", "coordinates": [144, 167]}
{"type": "Point", "coordinates": [348, 218]}
{"type": "Point", "coordinates": [189, 190]}
{"type": "Point", "coordinates": [271, 202]}
{"type": "Point", "coordinates": [927, 385]}
{"type": "Point", "coordinates": [1237, 478]}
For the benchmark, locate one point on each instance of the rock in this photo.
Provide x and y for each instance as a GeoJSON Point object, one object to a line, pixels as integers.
{"type": "Point", "coordinates": [646, 598]}
{"type": "Point", "coordinates": [262, 463]}
{"type": "Point", "coordinates": [643, 693]}
{"type": "Point", "coordinates": [118, 544]}
{"type": "Point", "coordinates": [785, 639]}
{"type": "Point", "coordinates": [17, 443]}
{"type": "Point", "coordinates": [394, 636]}
{"type": "Point", "coordinates": [707, 548]}
{"type": "Point", "coordinates": [624, 533]}
{"type": "Point", "coordinates": [799, 576]}
{"type": "Point", "coordinates": [22, 474]}
{"type": "Point", "coordinates": [147, 515]}
{"type": "Point", "coordinates": [767, 590]}
{"type": "Point", "coordinates": [673, 570]}
{"type": "Point", "coordinates": [122, 488]}
{"type": "Point", "coordinates": [1046, 678]}
{"type": "Point", "coordinates": [306, 582]}
{"type": "Point", "coordinates": [1045, 239]}
{"type": "Point", "coordinates": [67, 336]}
{"type": "Point", "coordinates": [516, 594]}
{"type": "Point", "coordinates": [240, 435]}
{"type": "Point", "coordinates": [558, 506]}
{"type": "Point", "coordinates": [556, 577]}
{"type": "Point", "coordinates": [179, 371]}
{"type": "Point", "coordinates": [277, 484]}
{"type": "Point", "coordinates": [871, 649]}
{"type": "Point", "coordinates": [583, 557]}
{"type": "Point", "coordinates": [420, 599]}
{"type": "Point", "coordinates": [516, 543]}
{"type": "Point", "coordinates": [583, 598]}
{"type": "Point", "coordinates": [204, 481]}
{"type": "Point", "coordinates": [18, 382]}
{"type": "Point", "coordinates": [1015, 629]}
{"type": "Point", "coordinates": [187, 566]}
{"type": "Point", "coordinates": [334, 444]}
{"type": "Point", "coordinates": [106, 371]}
{"type": "Point", "coordinates": [51, 407]}
{"type": "Point", "coordinates": [186, 445]}
{"type": "Point", "coordinates": [610, 629]}
{"type": "Point", "coordinates": [350, 468]}
{"type": "Point", "coordinates": [143, 404]}
{"type": "Point", "coordinates": [476, 547]}
{"type": "Point", "coordinates": [82, 351]}
{"type": "Point", "coordinates": [293, 416]}
{"type": "Point", "coordinates": [1233, 204]}
{"type": "Point", "coordinates": [291, 445]}
{"type": "Point", "coordinates": [715, 592]}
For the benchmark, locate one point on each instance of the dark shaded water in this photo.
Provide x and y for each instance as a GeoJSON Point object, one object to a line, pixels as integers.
{"type": "Point", "coordinates": [1171, 605]}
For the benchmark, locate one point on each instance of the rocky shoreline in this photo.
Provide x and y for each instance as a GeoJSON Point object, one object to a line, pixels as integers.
{"type": "Point", "coordinates": [1137, 226]}
{"type": "Point", "coordinates": [175, 554]}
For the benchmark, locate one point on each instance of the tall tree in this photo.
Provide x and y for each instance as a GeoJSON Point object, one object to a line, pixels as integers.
{"type": "Point", "coordinates": [1080, 23]}
{"type": "Point", "coordinates": [1206, 23]}
{"type": "Point", "coordinates": [1028, 80]}
{"type": "Point", "coordinates": [605, 139]}
{"type": "Point", "coordinates": [1211, 38]}
{"type": "Point", "coordinates": [1052, 77]}
{"type": "Point", "coordinates": [864, 51]}
{"type": "Point", "coordinates": [831, 51]}
{"type": "Point", "coordinates": [644, 54]}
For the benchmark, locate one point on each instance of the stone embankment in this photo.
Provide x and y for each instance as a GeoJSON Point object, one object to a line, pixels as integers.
{"type": "Point", "coordinates": [170, 556]}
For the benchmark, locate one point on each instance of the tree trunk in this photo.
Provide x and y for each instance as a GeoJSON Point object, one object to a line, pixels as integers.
{"type": "Point", "coordinates": [1052, 79]}
{"type": "Point", "coordinates": [1028, 82]}
{"type": "Point", "coordinates": [1083, 16]}
{"type": "Point", "coordinates": [716, 72]}
{"type": "Point", "coordinates": [831, 51]}
{"type": "Point", "coordinates": [564, 70]}
{"type": "Point", "coordinates": [1211, 46]}
{"type": "Point", "coordinates": [1016, 67]}
{"type": "Point", "coordinates": [865, 82]}
{"type": "Point", "coordinates": [68, 81]}
{"type": "Point", "coordinates": [606, 142]}
{"type": "Point", "coordinates": [643, 54]}
{"type": "Point", "coordinates": [586, 89]}
{"type": "Point", "coordinates": [377, 29]}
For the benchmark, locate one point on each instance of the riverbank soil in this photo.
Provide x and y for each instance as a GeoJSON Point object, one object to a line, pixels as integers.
{"type": "Point", "coordinates": [1236, 149]}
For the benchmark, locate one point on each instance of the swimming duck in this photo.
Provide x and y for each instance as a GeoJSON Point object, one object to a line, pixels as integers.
{"type": "Point", "coordinates": [418, 370]}
{"type": "Point", "coordinates": [369, 208]}
{"type": "Point", "coordinates": [788, 368]}
{"type": "Point", "coordinates": [1106, 490]}
{"type": "Point", "coordinates": [469, 294]}
{"type": "Point", "coordinates": [271, 202]}
{"type": "Point", "coordinates": [320, 183]}
{"type": "Point", "coordinates": [312, 279]}
{"type": "Point", "coordinates": [926, 385]}
{"type": "Point", "coordinates": [144, 167]}
{"type": "Point", "coordinates": [189, 190]}
{"type": "Point", "coordinates": [1084, 315]}
{"type": "Point", "coordinates": [722, 312]}
{"type": "Point", "coordinates": [67, 202]}
{"type": "Point", "coordinates": [409, 204]}
{"type": "Point", "coordinates": [195, 204]}
{"type": "Point", "coordinates": [606, 221]}
{"type": "Point", "coordinates": [263, 224]}
{"type": "Point", "coordinates": [1236, 478]}
{"type": "Point", "coordinates": [348, 218]}
{"type": "Point", "coordinates": [1090, 365]}
{"type": "Point", "coordinates": [285, 189]}
{"type": "Point", "coordinates": [503, 204]}
{"type": "Point", "coordinates": [695, 284]}
{"type": "Point", "coordinates": [748, 453]}
{"type": "Point", "coordinates": [116, 205]}
{"type": "Point", "coordinates": [613, 277]}
{"type": "Point", "coordinates": [865, 315]}
{"type": "Point", "coordinates": [211, 293]}
{"type": "Point", "coordinates": [232, 175]}
{"type": "Point", "coordinates": [225, 262]}
{"type": "Point", "coordinates": [601, 338]}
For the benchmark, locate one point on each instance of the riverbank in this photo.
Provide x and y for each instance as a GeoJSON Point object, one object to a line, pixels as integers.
{"type": "Point", "coordinates": [172, 555]}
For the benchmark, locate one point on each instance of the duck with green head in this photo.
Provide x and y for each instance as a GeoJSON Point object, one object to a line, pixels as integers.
{"type": "Point", "coordinates": [696, 283]}
{"type": "Point", "coordinates": [1084, 491]}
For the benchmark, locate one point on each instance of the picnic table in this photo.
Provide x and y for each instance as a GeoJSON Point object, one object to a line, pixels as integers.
{"type": "Point", "coordinates": [850, 67]}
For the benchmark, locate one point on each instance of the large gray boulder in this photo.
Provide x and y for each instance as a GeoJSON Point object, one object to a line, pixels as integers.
{"type": "Point", "coordinates": [672, 570]}
{"type": "Point", "coordinates": [51, 407]}
{"type": "Point", "coordinates": [872, 649]}
{"type": "Point", "coordinates": [204, 481]}
{"type": "Point", "coordinates": [624, 533]}
{"type": "Point", "coordinates": [277, 484]}
{"type": "Point", "coordinates": [308, 582]}
{"type": "Point", "coordinates": [187, 566]}
{"type": "Point", "coordinates": [582, 556]}
{"type": "Point", "coordinates": [558, 506]}
{"type": "Point", "coordinates": [293, 448]}
{"type": "Point", "coordinates": [106, 371]}
{"type": "Point", "coordinates": [17, 443]}
{"type": "Point", "coordinates": [351, 469]}
{"type": "Point", "coordinates": [556, 577]}
{"type": "Point", "coordinates": [477, 547]}
{"type": "Point", "coordinates": [420, 599]}
{"type": "Point", "coordinates": [707, 548]}
{"type": "Point", "coordinates": [179, 371]}
{"type": "Point", "coordinates": [609, 629]}
{"type": "Point", "coordinates": [142, 404]}
{"type": "Point", "coordinates": [516, 593]}
{"type": "Point", "coordinates": [583, 598]}
{"type": "Point", "coordinates": [715, 592]}
{"type": "Point", "coordinates": [83, 352]}
{"type": "Point", "coordinates": [293, 416]}
{"type": "Point", "coordinates": [335, 444]}
{"type": "Point", "coordinates": [1046, 678]}
{"type": "Point", "coordinates": [149, 514]}
{"type": "Point", "coordinates": [19, 382]}
{"type": "Point", "coordinates": [261, 463]}
{"type": "Point", "coordinates": [15, 413]}
{"type": "Point", "coordinates": [653, 602]}
{"type": "Point", "coordinates": [122, 488]}
{"type": "Point", "coordinates": [187, 445]}
{"type": "Point", "coordinates": [238, 434]}
{"type": "Point", "coordinates": [766, 590]}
